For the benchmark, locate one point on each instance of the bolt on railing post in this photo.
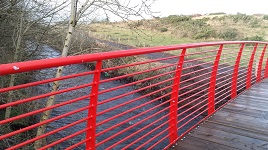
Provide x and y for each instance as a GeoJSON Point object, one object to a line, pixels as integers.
{"type": "Point", "coordinates": [92, 111]}
{"type": "Point", "coordinates": [260, 64]}
{"type": "Point", "coordinates": [235, 73]}
{"type": "Point", "coordinates": [250, 64]}
{"type": "Point", "coordinates": [212, 85]}
{"type": "Point", "coordinates": [173, 114]}
{"type": "Point", "coordinates": [266, 69]}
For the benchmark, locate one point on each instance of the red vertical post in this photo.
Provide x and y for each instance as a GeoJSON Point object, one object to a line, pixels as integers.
{"type": "Point", "coordinates": [260, 63]}
{"type": "Point", "coordinates": [173, 114]}
{"type": "Point", "coordinates": [235, 73]}
{"type": "Point", "coordinates": [266, 69]}
{"type": "Point", "coordinates": [250, 64]}
{"type": "Point", "coordinates": [92, 111]}
{"type": "Point", "coordinates": [212, 85]}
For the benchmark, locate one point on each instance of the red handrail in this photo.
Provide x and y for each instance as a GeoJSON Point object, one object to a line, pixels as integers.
{"type": "Point", "coordinates": [175, 96]}
{"type": "Point", "coordinates": [235, 73]}
{"type": "Point", "coordinates": [212, 85]}
{"type": "Point", "coordinates": [260, 64]}
{"type": "Point", "coordinates": [249, 75]}
{"type": "Point", "coordinates": [19, 67]}
{"type": "Point", "coordinates": [164, 98]}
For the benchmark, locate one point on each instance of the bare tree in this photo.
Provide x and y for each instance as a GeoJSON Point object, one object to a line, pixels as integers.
{"type": "Point", "coordinates": [29, 14]}
{"type": "Point", "coordinates": [123, 9]}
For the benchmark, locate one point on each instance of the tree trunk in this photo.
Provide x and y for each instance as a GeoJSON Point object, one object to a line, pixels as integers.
{"type": "Point", "coordinates": [17, 43]}
{"type": "Point", "coordinates": [9, 98]}
{"type": "Point", "coordinates": [51, 100]}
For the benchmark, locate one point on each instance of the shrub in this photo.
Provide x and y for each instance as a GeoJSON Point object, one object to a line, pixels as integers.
{"type": "Point", "coordinates": [241, 17]}
{"type": "Point", "coordinates": [163, 29]}
{"type": "Point", "coordinates": [255, 23]}
{"type": "Point", "coordinates": [265, 17]}
{"type": "Point", "coordinates": [229, 34]}
{"type": "Point", "coordinates": [220, 18]}
{"type": "Point", "coordinates": [218, 13]}
{"type": "Point", "coordinates": [196, 29]}
{"type": "Point", "coordinates": [176, 18]}
{"type": "Point", "coordinates": [198, 23]}
{"type": "Point", "coordinates": [206, 33]}
{"type": "Point", "coordinates": [205, 19]}
{"type": "Point", "coordinates": [253, 38]}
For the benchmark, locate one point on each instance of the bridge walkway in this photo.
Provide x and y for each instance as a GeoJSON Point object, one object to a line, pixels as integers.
{"type": "Point", "coordinates": [241, 124]}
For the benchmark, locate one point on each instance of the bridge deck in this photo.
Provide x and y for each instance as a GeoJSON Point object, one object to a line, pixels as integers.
{"type": "Point", "coordinates": [241, 124]}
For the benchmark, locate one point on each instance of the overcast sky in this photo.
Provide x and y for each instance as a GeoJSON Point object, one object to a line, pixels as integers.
{"type": "Point", "coordinates": [168, 7]}
{"type": "Point", "coordinates": [187, 7]}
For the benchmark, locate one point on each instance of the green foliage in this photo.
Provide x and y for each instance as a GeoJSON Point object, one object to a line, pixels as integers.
{"type": "Point", "coordinates": [265, 17]}
{"type": "Point", "coordinates": [163, 29]}
{"type": "Point", "coordinates": [222, 18]}
{"type": "Point", "coordinates": [206, 33]}
{"type": "Point", "coordinates": [229, 34]}
{"type": "Point", "coordinates": [198, 23]}
{"type": "Point", "coordinates": [188, 27]}
{"type": "Point", "coordinates": [205, 19]}
{"type": "Point", "coordinates": [197, 29]}
{"type": "Point", "coordinates": [217, 13]}
{"type": "Point", "coordinates": [253, 38]}
{"type": "Point", "coordinates": [241, 17]}
{"type": "Point", "coordinates": [176, 18]}
{"type": "Point", "coordinates": [255, 23]}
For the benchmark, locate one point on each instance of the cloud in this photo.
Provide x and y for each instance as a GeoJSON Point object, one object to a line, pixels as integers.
{"type": "Point", "coordinates": [171, 7]}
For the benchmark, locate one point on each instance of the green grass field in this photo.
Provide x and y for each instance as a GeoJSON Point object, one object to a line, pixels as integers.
{"type": "Point", "coordinates": [136, 37]}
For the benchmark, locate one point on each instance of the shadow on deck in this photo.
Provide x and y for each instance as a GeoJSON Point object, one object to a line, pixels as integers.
{"type": "Point", "coordinates": [241, 124]}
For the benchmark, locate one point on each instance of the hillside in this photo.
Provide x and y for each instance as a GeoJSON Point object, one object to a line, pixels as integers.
{"type": "Point", "coordinates": [176, 29]}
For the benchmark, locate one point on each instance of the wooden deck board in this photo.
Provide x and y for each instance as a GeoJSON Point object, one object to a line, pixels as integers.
{"type": "Point", "coordinates": [198, 143]}
{"type": "Point", "coordinates": [241, 124]}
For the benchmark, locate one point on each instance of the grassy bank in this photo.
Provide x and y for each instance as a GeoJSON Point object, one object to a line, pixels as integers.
{"type": "Point", "coordinates": [176, 29]}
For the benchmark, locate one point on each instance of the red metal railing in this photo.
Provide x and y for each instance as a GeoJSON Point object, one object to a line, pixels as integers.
{"type": "Point", "coordinates": [139, 98]}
